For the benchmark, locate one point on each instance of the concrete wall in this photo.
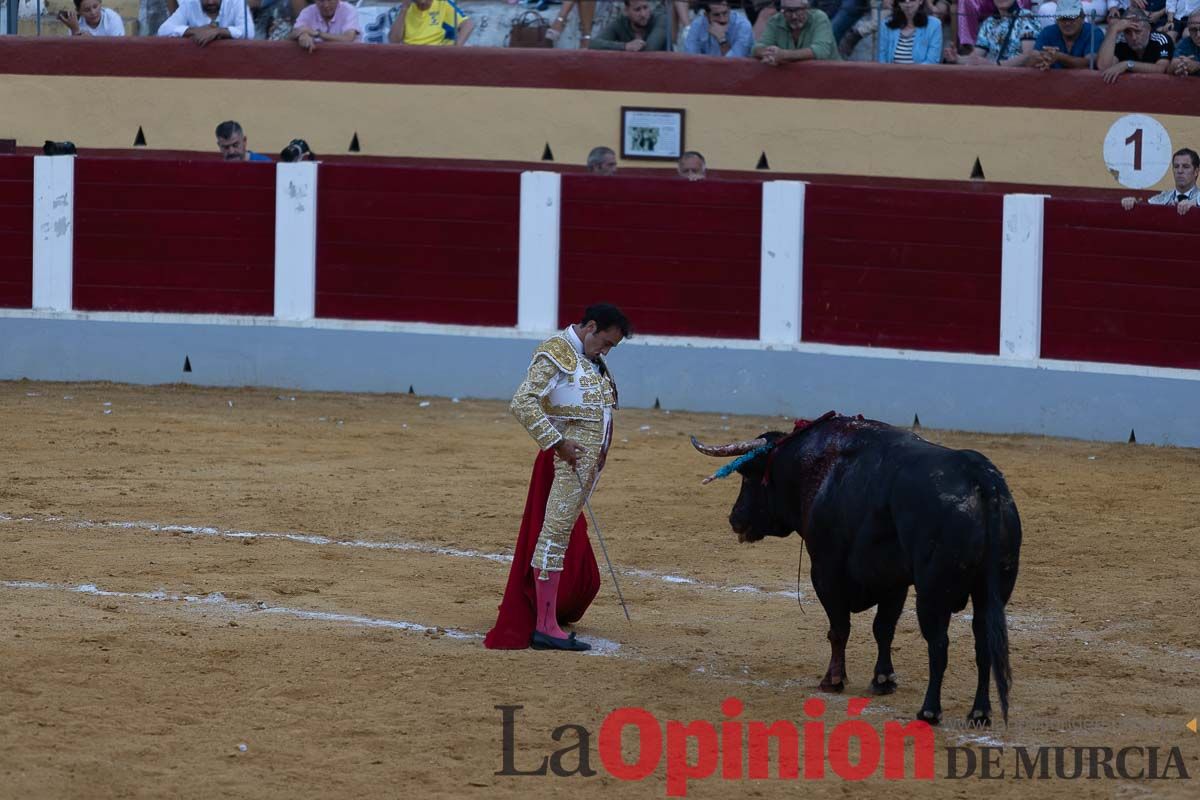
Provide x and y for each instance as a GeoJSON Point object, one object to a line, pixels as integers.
{"type": "Point", "coordinates": [959, 392]}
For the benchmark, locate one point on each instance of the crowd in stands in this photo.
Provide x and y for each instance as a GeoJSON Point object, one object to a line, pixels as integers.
{"type": "Point", "coordinates": [1113, 36]}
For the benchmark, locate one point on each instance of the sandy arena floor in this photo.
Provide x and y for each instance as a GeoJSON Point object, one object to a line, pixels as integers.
{"type": "Point", "coordinates": [339, 529]}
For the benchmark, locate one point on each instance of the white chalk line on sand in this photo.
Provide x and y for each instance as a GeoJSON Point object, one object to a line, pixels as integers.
{"type": "Point", "coordinates": [1016, 620]}
{"type": "Point", "coordinates": [600, 647]}
{"type": "Point", "coordinates": [395, 545]}
{"type": "Point", "coordinates": [218, 601]}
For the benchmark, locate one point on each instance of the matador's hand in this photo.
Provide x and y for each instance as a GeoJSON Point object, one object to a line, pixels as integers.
{"type": "Point", "coordinates": [569, 451]}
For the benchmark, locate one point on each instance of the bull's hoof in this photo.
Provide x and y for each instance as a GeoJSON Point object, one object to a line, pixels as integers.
{"type": "Point", "coordinates": [829, 686]}
{"type": "Point", "coordinates": [932, 717]}
{"type": "Point", "coordinates": [979, 718]}
{"type": "Point", "coordinates": [883, 684]}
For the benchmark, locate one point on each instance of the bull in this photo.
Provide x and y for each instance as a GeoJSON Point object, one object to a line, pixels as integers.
{"type": "Point", "coordinates": [880, 509]}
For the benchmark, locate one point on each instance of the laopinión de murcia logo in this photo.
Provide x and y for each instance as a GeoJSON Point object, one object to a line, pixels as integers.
{"type": "Point", "coordinates": [735, 749]}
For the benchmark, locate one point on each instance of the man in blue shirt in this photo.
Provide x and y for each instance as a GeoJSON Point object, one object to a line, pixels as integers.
{"type": "Point", "coordinates": [1070, 43]}
{"type": "Point", "coordinates": [718, 31]}
{"type": "Point", "coordinates": [1185, 62]}
{"type": "Point", "coordinates": [231, 141]}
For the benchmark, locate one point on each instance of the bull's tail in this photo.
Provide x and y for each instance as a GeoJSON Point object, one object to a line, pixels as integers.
{"type": "Point", "coordinates": [997, 626]}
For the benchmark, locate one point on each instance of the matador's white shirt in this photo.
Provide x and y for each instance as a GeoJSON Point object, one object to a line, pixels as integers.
{"type": "Point", "coordinates": [563, 386]}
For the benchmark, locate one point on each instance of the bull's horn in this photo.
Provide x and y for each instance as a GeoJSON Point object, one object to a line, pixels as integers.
{"type": "Point", "coordinates": [731, 449]}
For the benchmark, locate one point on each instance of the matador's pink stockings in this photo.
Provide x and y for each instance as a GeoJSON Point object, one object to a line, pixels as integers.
{"type": "Point", "coordinates": [547, 602]}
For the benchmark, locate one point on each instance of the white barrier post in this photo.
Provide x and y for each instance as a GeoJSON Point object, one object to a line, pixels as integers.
{"type": "Point", "coordinates": [1021, 276]}
{"type": "Point", "coordinates": [296, 240]}
{"type": "Point", "coordinates": [781, 283]}
{"type": "Point", "coordinates": [541, 217]}
{"type": "Point", "coordinates": [53, 232]}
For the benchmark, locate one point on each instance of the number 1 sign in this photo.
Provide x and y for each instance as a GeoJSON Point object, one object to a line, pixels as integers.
{"type": "Point", "coordinates": [1137, 151]}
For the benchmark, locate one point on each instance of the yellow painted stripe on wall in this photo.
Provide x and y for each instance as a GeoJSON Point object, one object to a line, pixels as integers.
{"type": "Point", "coordinates": [903, 140]}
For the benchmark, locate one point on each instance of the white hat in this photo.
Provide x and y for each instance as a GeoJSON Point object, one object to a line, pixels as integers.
{"type": "Point", "coordinates": [1068, 9]}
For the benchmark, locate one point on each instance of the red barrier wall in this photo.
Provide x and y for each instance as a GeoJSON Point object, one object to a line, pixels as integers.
{"type": "Point", "coordinates": [174, 236]}
{"type": "Point", "coordinates": [681, 259]}
{"type": "Point", "coordinates": [16, 232]}
{"type": "Point", "coordinates": [418, 245]}
{"type": "Point", "coordinates": [904, 269]}
{"type": "Point", "coordinates": [1121, 286]}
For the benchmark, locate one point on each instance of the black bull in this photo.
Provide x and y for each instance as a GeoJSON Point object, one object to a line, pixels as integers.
{"type": "Point", "coordinates": [881, 509]}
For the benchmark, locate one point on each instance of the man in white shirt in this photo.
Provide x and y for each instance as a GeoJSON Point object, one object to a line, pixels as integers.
{"type": "Point", "coordinates": [203, 21]}
{"type": "Point", "coordinates": [1185, 165]}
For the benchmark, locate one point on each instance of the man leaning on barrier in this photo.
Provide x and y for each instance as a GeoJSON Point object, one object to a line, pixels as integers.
{"type": "Point", "coordinates": [205, 21]}
{"type": "Point", "coordinates": [1185, 62]}
{"type": "Point", "coordinates": [797, 33]}
{"type": "Point", "coordinates": [1139, 49]}
{"type": "Point", "coordinates": [326, 21]}
{"type": "Point", "coordinates": [1070, 43]}
{"type": "Point", "coordinates": [641, 29]}
{"type": "Point", "coordinates": [1184, 167]}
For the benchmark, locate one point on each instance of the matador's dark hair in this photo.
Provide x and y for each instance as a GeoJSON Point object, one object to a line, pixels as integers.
{"type": "Point", "coordinates": [607, 316]}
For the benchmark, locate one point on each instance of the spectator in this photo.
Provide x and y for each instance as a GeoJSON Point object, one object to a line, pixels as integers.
{"type": "Point", "coordinates": [602, 161]}
{"type": "Point", "coordinates": [797, 33]}
{"type": "Point", "coordinates": [1005, 39]}
{"type": "Point", "coordinates": [204, 21]}
{"type": "Point", "coordinates": [1094, 11]}
{"type": "Point", "coordinates": [1178, 14]}
{"type": "Point", "coordinates": [692, 166]}
{"type": "Point", "coordinates": [973, 13]}
{"type": "Point", "coordinates": [431, 22]}
{"type": "Point", "coordinates": [1156, 10]}
{"type": "Point", "coordinates": [911, 36]}
{"type": "Point", "coordinates": [326, 21]}
{"type": "Point", "coordinates": [1184, 166]}
{"type": "Point", "coordinates": [1138, 51]}
{"type": "Point", "coordinates": [1185, 62]}
{"type": "Point", "coordinates": [587, 12]}
{"type": "Point", "coordinates": [231, 141]}
{"type": "Point", "coordinates": [847, 14]}
{"type": "Point", "coordinates": [640, 29]}
{"type": "Point", "coordinates": [151, 15]}
{"type": "Point", "coordinates": [1070, 43]}
{"type": "Point", "coordinates": [92, 19]}
{"type": "Point", "coordinates": [719, 31]}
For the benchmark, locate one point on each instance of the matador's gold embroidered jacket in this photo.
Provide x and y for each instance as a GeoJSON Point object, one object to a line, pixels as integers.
{"type": "Point", "coordinates": [562, 386]}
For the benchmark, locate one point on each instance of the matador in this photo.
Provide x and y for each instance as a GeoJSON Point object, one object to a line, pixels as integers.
{"type": "Point", "coordinates": [565, 403]}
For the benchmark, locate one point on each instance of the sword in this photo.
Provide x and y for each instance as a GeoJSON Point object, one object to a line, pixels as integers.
{"type": "Point", "coordinates": [603, 549]}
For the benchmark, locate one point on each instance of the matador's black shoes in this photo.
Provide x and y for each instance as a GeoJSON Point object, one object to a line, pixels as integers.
{"type": "Point", "coordinates": [541, 641]}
